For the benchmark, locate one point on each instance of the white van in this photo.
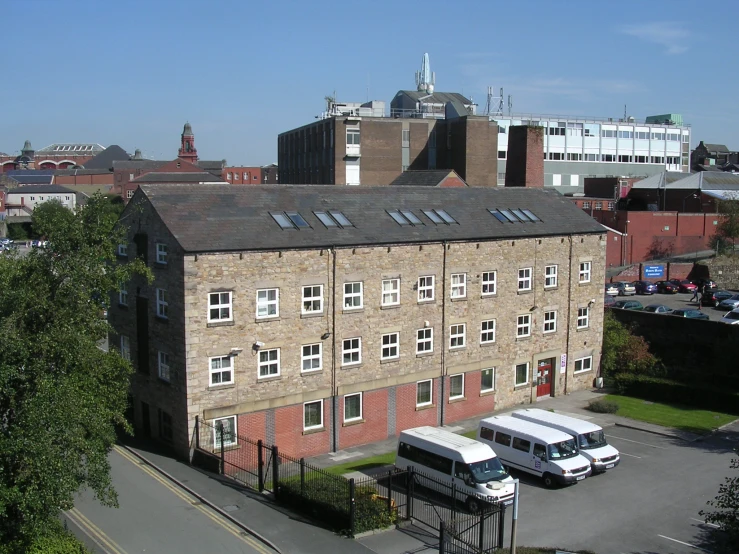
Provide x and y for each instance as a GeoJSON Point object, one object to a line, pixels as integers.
{"type": "Point", "coordinates": [590, 438]}
{"type": "Point", "coordinates": [456, 460]}
{"type": "Point", "coordinates": [548, 453]}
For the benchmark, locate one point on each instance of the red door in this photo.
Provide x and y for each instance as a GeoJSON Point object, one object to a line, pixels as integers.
{"type": "Point", "coordinates": [544, 378]}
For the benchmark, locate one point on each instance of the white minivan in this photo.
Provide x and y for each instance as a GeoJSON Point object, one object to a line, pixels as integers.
{"type": "Point", "coordinates": [452, 459]}
{"type": "Point", "coordinates": [548, 453]}
{"type": "Point", "coordinates": [590, 438]}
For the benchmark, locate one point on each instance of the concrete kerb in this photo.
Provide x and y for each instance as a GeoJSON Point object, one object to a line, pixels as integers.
{"type": "Point", "coordinates": [202, 499]}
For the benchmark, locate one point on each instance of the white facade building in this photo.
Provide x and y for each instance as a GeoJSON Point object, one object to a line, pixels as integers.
{"type": "Point", "coordinates": [575, 148]}
{"type": "Point", "coordinates": [23, 200]}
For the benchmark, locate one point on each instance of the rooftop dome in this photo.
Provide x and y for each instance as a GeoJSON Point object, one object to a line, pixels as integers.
{"type": "Point", "coordinates": [187, 130]}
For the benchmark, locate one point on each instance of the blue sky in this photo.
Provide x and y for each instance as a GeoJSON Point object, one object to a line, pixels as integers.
{"type": "Point", "coordinates": [132, 72]}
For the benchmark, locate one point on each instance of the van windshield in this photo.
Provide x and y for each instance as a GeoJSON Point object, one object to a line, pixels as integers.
{"type": "Point", "coordinates": [596, 439]}
{"type": "Point", "coordinates": [562, 450]}
{"type": "Point", "coordinates": [488, 470]}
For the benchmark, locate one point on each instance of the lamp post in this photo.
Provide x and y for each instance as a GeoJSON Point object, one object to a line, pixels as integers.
{"type": "Point", "coordinates": [691, 195]}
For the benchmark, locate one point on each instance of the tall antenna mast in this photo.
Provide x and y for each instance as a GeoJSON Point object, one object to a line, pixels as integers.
{"type": "Point", "coordinates": [494, 104]}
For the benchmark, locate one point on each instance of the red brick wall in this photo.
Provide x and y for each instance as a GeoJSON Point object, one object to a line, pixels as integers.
{"type": "Point", "coordinates": [525, 166]}
{"type": "Point", "coordinates": [289, 435]}
{"type": "Point", "coordinates": [452, 182]}
{"type": "Point", "coordinates": [679, 271]}
{"type": "Point", "coordinates": [97, 179]}
{"type": "Point", "coordinates": [614, 249]}
{"type": "Point", "coordinates": [406, 415]}
{"type": "Point", "coordinates": [374, 413]}
{"type": "Point", "coordinates": [253, 175]}
{"type": "Point", "coordinates": [472, 405]}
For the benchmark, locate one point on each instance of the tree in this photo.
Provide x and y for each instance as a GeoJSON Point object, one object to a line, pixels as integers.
{"type": "Point", "coordinates": [61, 397]}
{"type": "Point", "coordinates": [727, 503]}
{"type": "Point", "coordinates": [623, 351]}
{"type": "Point", "coordinates": [727, 230]}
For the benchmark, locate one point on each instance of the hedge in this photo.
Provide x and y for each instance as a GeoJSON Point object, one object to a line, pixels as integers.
{"type": "Point", "coordinates": [659, 389]}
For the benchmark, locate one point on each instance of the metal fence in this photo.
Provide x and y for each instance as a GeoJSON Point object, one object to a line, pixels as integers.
{"type": "Point", "coordinates": [465, 524]}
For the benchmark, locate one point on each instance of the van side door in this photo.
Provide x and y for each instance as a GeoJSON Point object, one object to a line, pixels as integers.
{"type": "Point", "coordinates": [539, 459]}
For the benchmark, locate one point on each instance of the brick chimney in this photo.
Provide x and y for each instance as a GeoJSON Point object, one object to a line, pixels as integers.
{"type": "Point", "coordinates": [525, 165]}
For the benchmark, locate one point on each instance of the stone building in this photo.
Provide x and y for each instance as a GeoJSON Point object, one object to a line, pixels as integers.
{"type": "Point", "coordinates": [318, 318]}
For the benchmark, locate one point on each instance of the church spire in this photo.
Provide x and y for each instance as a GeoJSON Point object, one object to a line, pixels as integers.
{"type": "Point", "coordinates": [187, 150]}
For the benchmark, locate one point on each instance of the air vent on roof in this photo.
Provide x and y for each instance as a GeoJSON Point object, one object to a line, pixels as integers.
{"type": "Point", "coordinates": [514, 215]}
{"type": "Point", "coordinates": [440, 217]}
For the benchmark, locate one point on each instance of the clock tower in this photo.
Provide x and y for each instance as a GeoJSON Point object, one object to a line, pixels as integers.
{"type": "Point", "coordinates": [187, 148]}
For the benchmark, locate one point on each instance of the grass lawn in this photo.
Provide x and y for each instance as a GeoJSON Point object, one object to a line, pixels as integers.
{"type": "Point", "coordinates": [669, 415]}
{"type": "Point", "coordinates": [470, 434]}
{"type": "Point", "coordinates": [363, 463]}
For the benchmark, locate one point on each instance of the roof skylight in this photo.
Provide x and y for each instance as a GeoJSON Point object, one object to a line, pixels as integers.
{"type": "Point", "coordinates": [405, 217]}
{"type": "Point", "coordinates": [290, 220]}
{"type": "Point", "coordinates": [341, 219]}
{"type": "Point", "coordinates": [440, 217]}
{"type": "Point", "coordinates": [514, 215]}
{"type": "Point", "coordinates": [333, 219]}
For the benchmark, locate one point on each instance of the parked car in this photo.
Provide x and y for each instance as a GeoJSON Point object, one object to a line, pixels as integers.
{"type": "Point", "coordinates": [645, 287]}
{"type": "Point", "coordinates": [683, 285]}
{"type": "Point", "coordinates": [714, 297]}
{"type": "Point", "coordinates": [729, 303]}
{"type": "Point", "coordinates": [732, 317]}
{"type": "Point", "coordinates": [690, 314]}
{"type": "Point", "coordinates": [702, 283]}
{"type": "Point", "coordinates": [628, 305]}
{"type": "Point", "coordinates": [625, 288]}
{"type": "Point", "coordinates": [658, 309]}
{"type": "Point", "coordinates": [6, 240]}
{"type": "Point", "coordinates": [666, 287]}
{"type": "Point", "coordinates": [612, 289]}
{"type": "Point", "coordinates": [608, 301]}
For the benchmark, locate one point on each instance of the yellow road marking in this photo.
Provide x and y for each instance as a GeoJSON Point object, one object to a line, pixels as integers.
{"type": "Point", "coordinates": [94, 532]}
{"type": "Point", "coordinates": [230, 527]}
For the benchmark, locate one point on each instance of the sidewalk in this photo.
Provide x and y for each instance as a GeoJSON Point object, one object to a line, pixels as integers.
{"type": "Point", "coordinates": [291, 533]}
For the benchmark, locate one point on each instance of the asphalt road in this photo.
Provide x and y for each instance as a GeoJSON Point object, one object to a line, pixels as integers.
{"type": "Point", "coordinates": [675, 301]}
{"type": "Point", "coordinates": [154, 516]}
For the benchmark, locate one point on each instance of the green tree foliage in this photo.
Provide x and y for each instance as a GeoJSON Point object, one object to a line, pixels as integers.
{"type": "Point", "coordinates": [623, 351]}
{"type": "Point", "coordinates": [727, 231]}
{"type": "Point", "coordinates": [61, 396]}
{"type": "Point", "coordinates": [726, 515]}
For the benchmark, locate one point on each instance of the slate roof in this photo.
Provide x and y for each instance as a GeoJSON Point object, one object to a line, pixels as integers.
{"type": "Point", "coordinates": [174, 177]}
{"type": "Point", "coordinates": [436, 97]}
{"type": "Point", "coordinates": [71, 149]}
{"type": "Point", "coordinates": [703, 180]}
{"type": "Point", "coordinates": [214, 218]}
{"type": "Point", "coordinates": [424, 177]}
{"type": "Point", "coordinates": [660, 180]}
{"type": "Point", "coordinates": [716, 147]}
{"type": "Point", "coordinates": [139, 164]}
{"type": "Point", "coordinates": [210, 165]}
{"type": "Point", "coordinates": [26, 178]}
{"type": "Point", "coordinates": [105, 159]}
{"type": "Point", "coordinates": [41, 189]}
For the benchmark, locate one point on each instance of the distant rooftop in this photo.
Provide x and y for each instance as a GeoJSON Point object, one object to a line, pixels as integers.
{"type": "Point", "coordinates": [583, 118]}
{"type": "Point", "coordinates": [71, 148]}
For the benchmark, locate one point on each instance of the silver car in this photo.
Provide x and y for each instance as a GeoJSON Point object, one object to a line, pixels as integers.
{"type": "Point", "coordinates": [730, 303]}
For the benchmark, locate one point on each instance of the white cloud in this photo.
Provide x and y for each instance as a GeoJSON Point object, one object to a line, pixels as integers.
{"type": "Point", "coordinates": [670, 34]}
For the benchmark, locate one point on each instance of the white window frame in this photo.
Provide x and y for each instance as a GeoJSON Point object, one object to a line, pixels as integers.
{"type": "Point", "coordinates": [220, 306]}
{"type": "Point", "coordinates": [122, 295]}
{"type": "Point", "coordinates": [309, 300]}
{"type": "Point", "coordinates": [490, 329]}
{"type": "Point", "coordinates": [125, 347]}
{"type": "Point", "coordinates": [524, 279]}
{"type": "Point", "coordinates": [489, 282]}
{"type": "Point", "coordinates": [585, 272]}
{"type": "Point", "coordinates": [550, 325]}
{"type": "Point", "coordinates": [161, 251]}
{"type": "Point", "coordinates": [162, 304]}
{"type": "Point", "coordinates": [492, 373]}
{"type": "Point", "coordinates": [391, 295]}
{"type": "Point", "coordinates": [311, 357]}
{"type": "Point", "coordinates": [163, 369]}
{"type": "Point", "coordinates": [426, 288]}
{"type": "Point", "coordinates": [451, 377]}
{"type": "Point", "coordinates": [428, 337]}
{"type": "Point", "coordinates": [356, 418]}
{"type": "Point", "coordinates": [550, 276]}
{"type": "Point", "coordinates": [353, 294]}
{"type": "Point", "coordinates": [130, 193]}
{"type": "Point", "coordinates": [354, 348]}
{"type": "Point", "coordinates": [217, 434]}
{"type": "Point", "coordinates": [459, 288]}
{"type": "Point", "coordinates": [431, 393]}
{"type": "Point", "coordinates": [457, 336]}
{"type": "Point", "coordinates": [268, 363]}
{"type": "Point", "coordinates": [320, 411]}
{"type": "Point", "coordinates": [123, 250]}
{"type": "Point", "coordinates": [523, 326]}
{"type": "Point", "coordinates": [583, 318]}
{"type": "Point", "coordinates": [386, 349]}
{"type": "Point", "coordinates": [581, 363]}
{"type": "Point", "coordinates": [220, 370]}
{"type": "Point", "coordinates": [515, 374]}
{"type": "Point", "coordinates": [266, 303]}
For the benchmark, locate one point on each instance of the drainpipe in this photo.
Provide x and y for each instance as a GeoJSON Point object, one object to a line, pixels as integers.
{"type": "Point", "coordinates": [332, 332]}
{"type": "Point", "coordinates": [443, 331]}
{"type": "Point", "coordinates": [569, 321]}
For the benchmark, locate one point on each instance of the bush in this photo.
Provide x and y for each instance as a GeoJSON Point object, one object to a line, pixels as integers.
{"type": "Point", "coordinates": [603, 406]}
{"type": "Point", "coordinates": [56, 540]}
{"type": "Point", "coordinates": [658, 389]}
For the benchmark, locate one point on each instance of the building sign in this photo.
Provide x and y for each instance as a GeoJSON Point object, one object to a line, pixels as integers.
{"type": "Point", "coordinates": [563, 363]}
{"type": "Point", "coordinates": [654, 271]}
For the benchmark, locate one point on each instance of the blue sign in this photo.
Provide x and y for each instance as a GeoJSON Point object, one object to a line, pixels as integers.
{"type": "Point", "coordinates": [654, 271]}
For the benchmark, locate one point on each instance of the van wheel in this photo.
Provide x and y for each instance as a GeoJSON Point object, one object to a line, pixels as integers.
{"type": "Point", "coordinates": [473, 504]}
{"type": "Point", "coordinates": [549, 481]}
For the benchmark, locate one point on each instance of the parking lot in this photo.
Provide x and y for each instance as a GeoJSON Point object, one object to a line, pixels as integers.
{"type": "Point", "coordinates": [675, 301]}
{"type": "Point", "coordinates": [649, 503]}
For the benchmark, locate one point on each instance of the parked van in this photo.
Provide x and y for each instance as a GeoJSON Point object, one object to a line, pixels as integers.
{"type": "Point", "coordinates": [590, 438]}
{"type": "Point", "coordinates": [456, 460]}
{"type": "Point", "coordinates": [548, 453]}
